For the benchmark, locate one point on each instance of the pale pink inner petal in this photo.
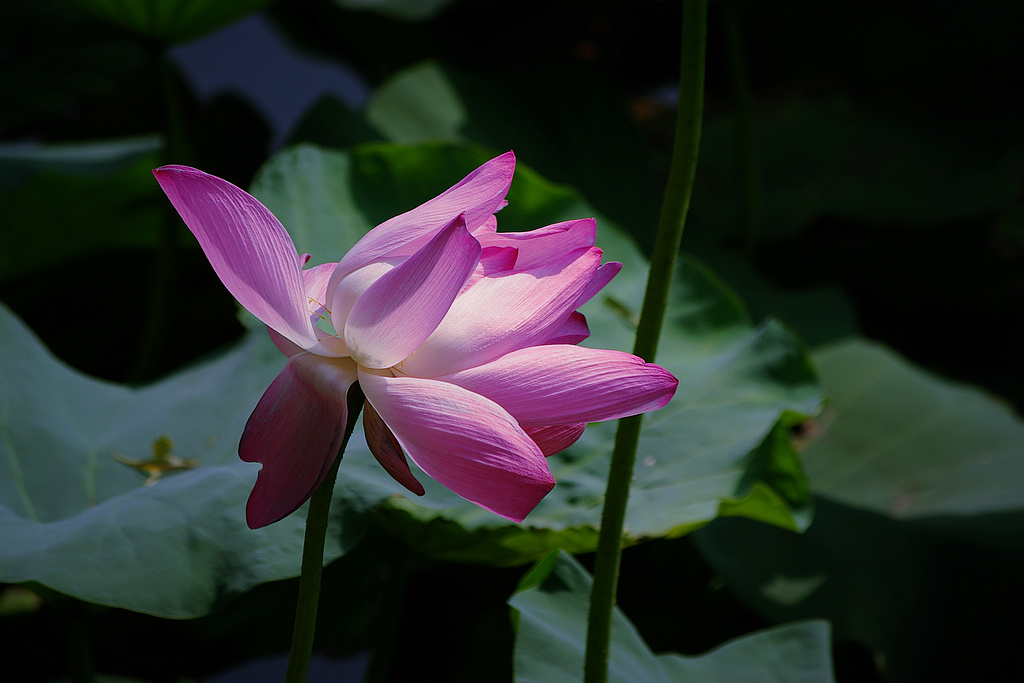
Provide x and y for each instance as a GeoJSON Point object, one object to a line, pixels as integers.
{"type": "Point", "coordinates": [247, 246]}
{"type": "Point", "coordinates": [399, 310]}
{"type": "Point", "coordinates": [347, 290]}
{"type": "Point", "coordinates": [499, 314]}
{"type": "Point", "coordinates": [478, 196]}
{"type": "Point", "coordinates": [295, 431]}
{"type": "Point", "coordinates": [315, 280]}
{"type": "Point", "coordinates": [386, 449]}
{"type": "Point", "coordinates": [562, 384]}
{"type": "Point", "coordinates": [555, 438]}
{"type": "Point", "coordinates": [464, 441]}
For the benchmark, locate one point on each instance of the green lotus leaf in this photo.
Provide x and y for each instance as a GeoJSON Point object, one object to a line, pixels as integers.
{"type": "Point", "coordinates": [550, 613]}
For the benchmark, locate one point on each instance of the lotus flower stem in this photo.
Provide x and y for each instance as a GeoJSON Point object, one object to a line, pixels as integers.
{"type": "Point", "coordinates": [663, 261]}
{"type": "Point", "coordinates": [313, 555]}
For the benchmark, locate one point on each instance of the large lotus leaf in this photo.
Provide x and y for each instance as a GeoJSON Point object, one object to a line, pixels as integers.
{"type": "Point", "coordinates": [714, 449]}
{"type": "Point", "coordinates": [922, 491]}
{"type": "Point", "coordinates": [550, 612]}
{"type": "Point", "coordinates": [931, 600]}
{"type": "Point", "coordinates": [901, 442]}
{"type": "Point", "coordinates": [172, 21]}
{"type": "Point", "coordinates": [418, 104]}
{"type": "Point", "coordinates": [77, 517]}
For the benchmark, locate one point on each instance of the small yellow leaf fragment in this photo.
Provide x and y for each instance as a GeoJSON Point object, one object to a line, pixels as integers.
{"type": "Point", "coordinates": [163, 461]}
{"type": "Point", "coordinates": [16, 600]}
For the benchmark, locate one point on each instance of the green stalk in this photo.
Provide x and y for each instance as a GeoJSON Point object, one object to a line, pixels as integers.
{"type": "Point", "coordinates": [659, 280]}
{"type": "Point", "coordinates": [313, 555]}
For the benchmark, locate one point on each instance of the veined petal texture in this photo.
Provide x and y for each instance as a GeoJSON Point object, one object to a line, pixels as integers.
{"type": "Point", "coordinates": [536, 247]}
{"type": "Point", "coordinates": [555, 438]}
{"type": "Point", "coordinates": [464, 441]}
{"type": "Point", "coordinates": [404, 306]}
{"type": "Point", "coordinates": [477, 196]}
{"type": "Point", "coordinates": [503, 313]}
{"type": "Point", "coordinates": [563, 384]}
{"type": "Point", "coordinates": [249, 249]}
{"type": "Point", "coordinates": [573, 331]}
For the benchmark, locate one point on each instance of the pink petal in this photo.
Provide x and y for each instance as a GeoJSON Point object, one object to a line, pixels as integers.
{"type": "Point", "coordinates": [602, 277]}
{"type": "Point", "coordinates": [478, 196]}
{"type": "Point", "coordinates": [555, 438]}
{"type": "Point", "coordinates": [562, 384]}
{"type": "Point", "coordinates": [388, 452]}
{"type": "Point", "coordinates": [347, 290]}
{"type": "Point", "coordinates": [489, 225]}
{"type": "Point", "coordinates": [247, 246]}
{"type": "Point", "coordinates": [573, 331]}
{"type": "Point", "coordinates": [493, 261]}
{"type": "Point", "coordinates": [464, 441]}
{"type": "Point", "coordinates": [315, 280]}
{"type": "Point", "coordinates": [500, 314]}
{"type": "Point", "coordinates": [295, 431]}
{"type": "Point", "coordinates": [286, 347]}
{"type": "Point", "coordinates": [402, 307]}
{"type": "Point", "coordinates": [539, 246]}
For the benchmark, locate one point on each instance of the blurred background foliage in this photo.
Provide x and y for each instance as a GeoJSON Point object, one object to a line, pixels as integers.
{"type": "Point", "coordinates": [861, 178]}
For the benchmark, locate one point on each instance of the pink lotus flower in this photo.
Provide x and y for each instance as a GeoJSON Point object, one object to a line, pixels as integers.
{"type": "Point", "coordinates": [461, 338]}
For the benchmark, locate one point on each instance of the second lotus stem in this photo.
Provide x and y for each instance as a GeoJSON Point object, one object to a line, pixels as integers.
{"type": "Point", "coordinates": [663, 262]}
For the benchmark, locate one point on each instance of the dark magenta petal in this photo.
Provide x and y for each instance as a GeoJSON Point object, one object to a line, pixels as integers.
{"type": "Point", "coordinates": [465, 442]}
{"type": "Point", "coordinates": [555, 438]}
{"type": "Point", "coordinates": [386, 449]}
{"type": "Point", "coordinates": [295, 432]}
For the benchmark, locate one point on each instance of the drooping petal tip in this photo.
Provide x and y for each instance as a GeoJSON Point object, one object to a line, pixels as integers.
{"type": "Point", "coordinates": [249, 249]}
{"type": "Point", "coordinates": [465, 442]}
{"type": "Point", "coordinates": [564, 384]}
{"type": "Point", "coordinates": [295, 431]}
{"type": "Point", "coordinates": [477, 196]}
